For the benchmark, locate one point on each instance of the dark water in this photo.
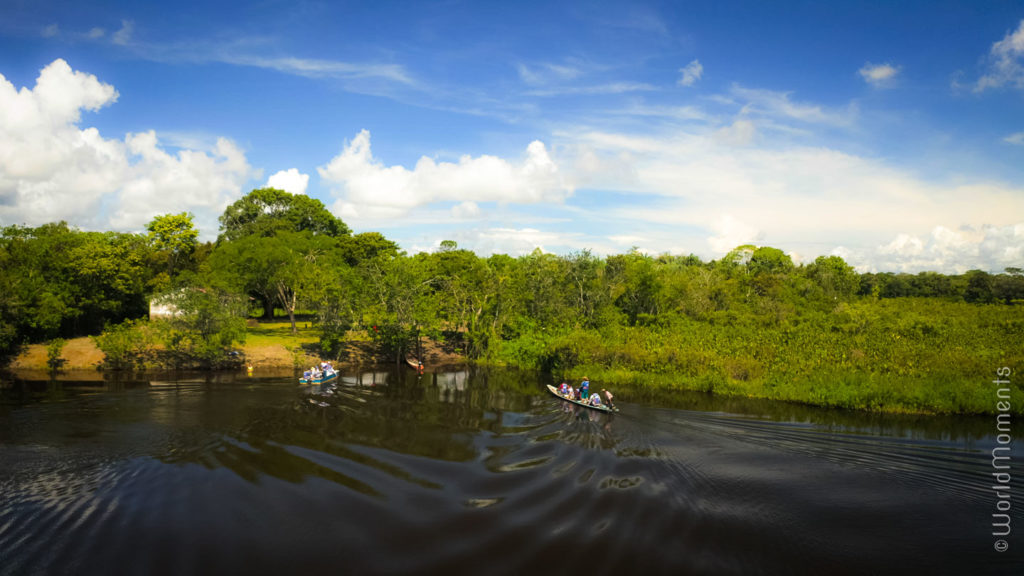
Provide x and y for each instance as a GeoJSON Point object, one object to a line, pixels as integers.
{"type": "Point", "coordinates": [481, 473]}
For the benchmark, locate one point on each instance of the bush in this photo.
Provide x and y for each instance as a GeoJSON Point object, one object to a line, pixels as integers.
{"type": "Point", "coordinates": [53, 351]}
{"type": "Point", "coordinates": [125, 345]}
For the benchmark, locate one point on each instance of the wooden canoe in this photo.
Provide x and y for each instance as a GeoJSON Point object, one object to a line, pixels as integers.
{"type": "Point", "coordinates": [601, 408]}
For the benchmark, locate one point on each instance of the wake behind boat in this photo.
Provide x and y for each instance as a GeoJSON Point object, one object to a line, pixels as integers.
{"type": "Point", "coordinates": [600, 408]}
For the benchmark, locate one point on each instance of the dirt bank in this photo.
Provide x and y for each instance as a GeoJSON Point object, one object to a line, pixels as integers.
{"type": "Point", "coordinates": [82, 354]}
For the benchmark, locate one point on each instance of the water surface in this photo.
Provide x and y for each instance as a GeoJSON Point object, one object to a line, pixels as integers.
{"type": "Point", "coordinates": [479, 471]}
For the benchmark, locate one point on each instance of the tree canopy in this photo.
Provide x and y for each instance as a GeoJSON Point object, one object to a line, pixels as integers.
{"type": "Point", "coordinates": [266, 211]}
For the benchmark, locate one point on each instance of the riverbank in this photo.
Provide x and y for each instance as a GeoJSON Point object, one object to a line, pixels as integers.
{"type": "Point", "coordinates": [267, 345]}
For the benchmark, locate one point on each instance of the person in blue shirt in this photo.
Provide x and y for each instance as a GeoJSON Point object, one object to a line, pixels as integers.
{"type": "Point", "coordinates": [585, 388]}
{"type": "Point", "coordinates": [563, 389]}
{"type": "Point", "coordinates": [595, 400]}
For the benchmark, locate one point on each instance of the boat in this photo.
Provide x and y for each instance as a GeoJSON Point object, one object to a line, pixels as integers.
{"type": "Point", "coordinates": [601, 408]}
{"type": "Point", "coordinates": [414, 363]}
{"type": "Point", "coordinates": [324, 377]}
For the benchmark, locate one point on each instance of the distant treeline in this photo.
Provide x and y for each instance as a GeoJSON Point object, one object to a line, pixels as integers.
{"type": "Point", "coordinates": [750, 323]}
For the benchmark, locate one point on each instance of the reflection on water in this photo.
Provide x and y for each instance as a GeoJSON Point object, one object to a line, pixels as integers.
{"type": "Point", "coordinates": [390, 472]}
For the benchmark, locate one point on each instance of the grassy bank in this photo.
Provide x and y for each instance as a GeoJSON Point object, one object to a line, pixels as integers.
{"type": "Point", "coordinates": [917, 356]}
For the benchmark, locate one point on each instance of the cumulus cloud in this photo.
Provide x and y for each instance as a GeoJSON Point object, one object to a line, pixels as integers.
{"type": "Point", "coordinates": [690, 73]}
{"type": "Point", "coordinates": [730, 233]}
{"type": "Point", "coordinates": [466, 211]}
{"type": "Point", "coordinates": [808, 199]}
{"type": "Point", "coordinates": [51, 169]}
{"type": "Point", "coordinates": [290, 180]}
{"type": "Point", "coordinates": [989, 248]}
{"type": "Point", "coordinates": [512, 241]}
{"type": "Point", "coordinates": [365, 187]}
{"type": "Point", "coordinates": [879, 75]}
{"type": "Point", "coordinates": [1005, 62]}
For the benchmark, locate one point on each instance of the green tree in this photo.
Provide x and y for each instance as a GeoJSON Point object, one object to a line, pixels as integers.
{"type": "Point", "coordinates": [174, 237]}
{"type": "Point", "coordinates": [207, 322]}
{"type": "Point", "coordinates": [267, 211]}
{"type": "Point", "coordinates": [837, 279]}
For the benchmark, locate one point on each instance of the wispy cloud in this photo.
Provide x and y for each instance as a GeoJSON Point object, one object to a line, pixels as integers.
{"type": "Point", "coordinates": [545, 73]}
{"type": "Point", "coordinates": [1016, 138]}
{"type": "Point", "coordinates": [610, 88]}
{"type": "Point", "coordinates": [690, 73]}
{"type": "Point", "coordinates": [879, 75]}
{"type": "Point", "coordinates": [317, 68]}
{"type": "Point", "coordinates": [124, 35]}
{"type": "Point", "coordinates": [773, 104]}
{"type": "Point", "coordinates": [50, 31]}
{"type": "Point", "coordinates": [1005, 63]}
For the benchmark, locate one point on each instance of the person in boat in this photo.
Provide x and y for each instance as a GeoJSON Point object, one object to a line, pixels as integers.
{"type": "Point", "coordinates": [563, 389]}
{"type": "Point", "coordinates": [608, 397]}
{"type": "Point", "coordinates": [585, 388]}
{"type": "Point", "coordinates": [594, 400]}
{"type": "Point", "coordinates": [570, 393]}
{"type": "Point", "coordinates": [307, 374]}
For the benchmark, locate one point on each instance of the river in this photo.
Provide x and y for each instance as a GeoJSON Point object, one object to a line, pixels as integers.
{"type": "Point", "coordinates": [481, 472]}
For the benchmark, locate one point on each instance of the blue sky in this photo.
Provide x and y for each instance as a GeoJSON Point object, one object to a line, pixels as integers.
{"type": "Point", "coordinates": [891, 134]}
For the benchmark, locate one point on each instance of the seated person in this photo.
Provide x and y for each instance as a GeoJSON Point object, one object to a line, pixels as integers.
{"type": "Point", "coordinates": [595, 399]}
{"type": "Point", "coordinates": [563, 389]}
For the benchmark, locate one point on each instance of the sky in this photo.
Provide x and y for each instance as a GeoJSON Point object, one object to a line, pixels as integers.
{"type": "Point", "coordinates": [888, 133]}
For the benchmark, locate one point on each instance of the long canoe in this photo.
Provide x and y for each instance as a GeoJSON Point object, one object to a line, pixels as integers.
{"type": "Point", "coordinates": [413, 362]}
{"type": "Point", "coordinates": [320, 380]}
{"type": "Point", "coordinates": [601, 408]}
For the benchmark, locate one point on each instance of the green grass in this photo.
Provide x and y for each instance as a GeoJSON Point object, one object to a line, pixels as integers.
{"type": "Point", "coordinates": [271, 333]}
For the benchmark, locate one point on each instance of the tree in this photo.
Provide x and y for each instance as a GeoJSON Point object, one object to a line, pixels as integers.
{"type": "Point", "coordinates": [366, 246]}
{"type": "Point", "coordinates": [267, 211]}
{"type": "Point", "coordinates": [979, 287]}
{"type": "Point", "coordinates": [175, 237]}
{"type": "Point", "coordinates": [275, 269]}
{"type": "Point", "coordinates": [836, 278]}
{"type": "Point", "coordinates": [768, 260]}
{"type": "Point", "coordinates": [209, 321]}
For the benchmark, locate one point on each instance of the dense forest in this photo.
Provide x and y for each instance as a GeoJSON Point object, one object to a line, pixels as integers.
{"type": "Point", "coordinates": [752, 323]}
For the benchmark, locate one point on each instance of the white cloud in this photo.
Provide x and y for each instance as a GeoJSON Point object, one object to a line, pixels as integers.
{"type": "Point", "coordinates": [740, 133]}
{"type": "Point", "coordinates": [466, 211]}
{"type": "Point", "coordinates": [904, 245]}
{"type": "Point", "coordinates": [1005, 62]}
{"type": "Point", "coordinates": [1016, 139]}
{"type": "Point", "coordinates": [944, 249]}
{"type": "Point", "coordinates": [879, 75]}
{"type": "Point", "coordinates": [290, 180]}
{"type": "Point", "coordinates": [50, 31]}
{"type": "Point", "coordinates": [158, 182]}
{"type": "Point", "coordinates": [779, 104]}
{"type": "Point", "coordinates": [610, 88]}
{"type": "Point", "coordinates": [546, 73]}
{"type": "Point", "coordinates": [690, 73]}
{"type": "Point", "coordinates": [314, 68]}
{"type": "Point", "coordinates": [51, 169]}
{"type": "Point", "coordinates": [730, 233]}
{"type": "Point", "coordinates": [512, 241]}
{"type": "Point", "coordinates": [365, 187]}
{"type": "Point", "coordinates": [96, 33]}
{"type": "Point", "coordinates": [124, 35]}
{"type": "Point", "coordinates": [797, 198]}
